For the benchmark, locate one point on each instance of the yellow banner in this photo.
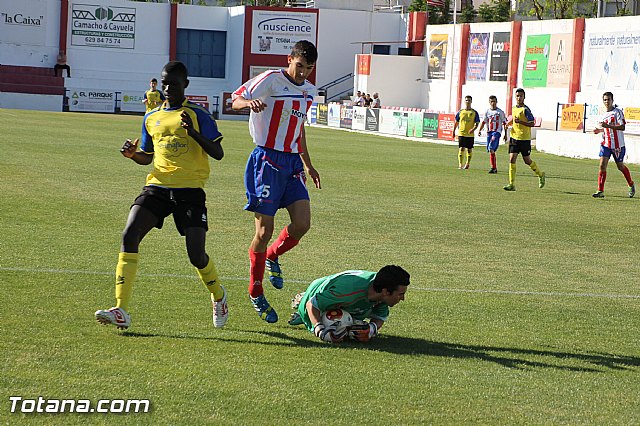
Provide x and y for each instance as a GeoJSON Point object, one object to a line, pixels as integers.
{"type": "Point", "coordinates": [632, 113]}
{"type": "Point", "coordinates": [572, 117]}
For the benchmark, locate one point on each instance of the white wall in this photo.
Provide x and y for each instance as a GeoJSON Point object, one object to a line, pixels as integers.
{"type": "Point", "coordinates": [30, 45]}
{"type": "Point", "coordinates": [338, 30]}
{"type": "Point", "coordinates": [398, 80]}
{"type": "Point", "coordinates": [211, 18]}
{"type": "Point", "coordinates": [582, 145]}
{"type": "Point", "coordinates": [30, 101]}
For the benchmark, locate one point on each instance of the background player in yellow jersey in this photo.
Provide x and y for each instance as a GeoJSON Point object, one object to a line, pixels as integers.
{"type": "Point", "coordinates": [467, 120]}
{"type": "Point", "coordinates": [179, 138]}
{"type": "Point", "coordinates": [153, 98]}
{"type": "Point", "coordinates": [520, 142]}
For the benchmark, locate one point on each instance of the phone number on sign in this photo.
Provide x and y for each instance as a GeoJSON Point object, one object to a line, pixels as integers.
{"type": "Point", "coordinates": [102, 40]}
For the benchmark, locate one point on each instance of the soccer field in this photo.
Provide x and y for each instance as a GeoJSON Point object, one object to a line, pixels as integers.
{"type": "Point", "coordinates": [523, 308]}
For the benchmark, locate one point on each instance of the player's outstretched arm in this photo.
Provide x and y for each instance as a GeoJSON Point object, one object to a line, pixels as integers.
{"type": "Point", "coordinates": [130, 150]}
{"type": "Point", "coordinates": [212, 148]}
{"type": "Point", "coordinates": [255, 105]}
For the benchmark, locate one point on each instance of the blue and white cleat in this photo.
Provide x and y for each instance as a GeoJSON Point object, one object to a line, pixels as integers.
{"type": "Point", "coordinates": [275, 274]}
{"type": "Point", "coordinates": [264, 309]}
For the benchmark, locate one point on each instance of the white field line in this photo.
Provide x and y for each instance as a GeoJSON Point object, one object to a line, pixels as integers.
{"type": "Point", "coordinates": [450, 290]}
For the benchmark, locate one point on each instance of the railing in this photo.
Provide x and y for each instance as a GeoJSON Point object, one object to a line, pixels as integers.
{"type": "Point", "coordinates": [336, 82]}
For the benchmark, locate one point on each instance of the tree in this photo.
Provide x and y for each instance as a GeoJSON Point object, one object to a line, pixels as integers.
{"type": "Point", "coordinates": [468, 13]}
{"type": "Point", "coordinates": [436, 15]}
{"type": "Point", "coordinates": [495, 11]}
{"type": "Point", "coordinates": [557, 9]}
{"type": "Point", "coordinates": [418, 6]}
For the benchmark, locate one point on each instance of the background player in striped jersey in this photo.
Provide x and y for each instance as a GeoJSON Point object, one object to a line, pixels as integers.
{"type": "Point", "coordinates": [364, 294]}
{"type": "Point", "coordinates": [275, 173]}
{"type": "Point", "coordinates": [494, 118]}
{"type": "Point", "coordinates": [179, 138]}
{"type": "Point", "coordinates": [612, 127]}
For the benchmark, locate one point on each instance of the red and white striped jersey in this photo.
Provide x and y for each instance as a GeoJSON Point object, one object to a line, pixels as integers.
{"type": "Point", "coordinates": [613, 139]}
{"type": "Point", "coordinates": [279, 125]}
{"type": "Point", "coordinates": [494, 119]}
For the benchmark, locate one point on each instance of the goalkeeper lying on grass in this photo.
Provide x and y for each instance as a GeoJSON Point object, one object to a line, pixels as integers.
{"type": "Point", "coordinates": [363, 294]}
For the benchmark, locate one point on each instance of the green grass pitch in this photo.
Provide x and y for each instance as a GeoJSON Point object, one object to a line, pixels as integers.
{"type": "Point", "coordinates": [524, 307]}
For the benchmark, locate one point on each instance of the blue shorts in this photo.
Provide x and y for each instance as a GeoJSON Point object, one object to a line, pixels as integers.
{"type": "Point", "coordinates": [493, 141]}
{"type": "Point", "coordinates": [273, 180]}
{"type": "Point", "coordinates": [618, 154]}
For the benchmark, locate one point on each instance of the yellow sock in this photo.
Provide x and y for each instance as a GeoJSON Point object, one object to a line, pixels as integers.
{"type": "Point", "coordinates": [209, 277]}
{"type": "Point", "coordinates": [125, 276]}
{"type": "Point", "coordinates": [468, 156]}
{"type": "Point", "coordinates": [460, 157]}
{"type": "Point", "coordinates": [535, 168]}
{"type": "Point", "coordinates": [512, 173]}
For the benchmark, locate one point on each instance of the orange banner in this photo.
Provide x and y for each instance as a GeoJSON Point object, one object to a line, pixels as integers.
{"type": "Point", "coordinates": [364, 64]}
{"type": "Point", "coordinates": [572, 117]}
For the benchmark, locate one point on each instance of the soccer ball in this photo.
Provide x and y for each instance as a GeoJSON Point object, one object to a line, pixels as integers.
{"type": "Point", "coordinates": [338, 319]}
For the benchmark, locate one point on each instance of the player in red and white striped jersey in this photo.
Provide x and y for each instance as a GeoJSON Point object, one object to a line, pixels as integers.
{"type": "Point", "coordinates": [494, 118]}
{"type": "Point", "coordinates": [612, 127]}
{"type": "Point", "coordinates": [275, 174]}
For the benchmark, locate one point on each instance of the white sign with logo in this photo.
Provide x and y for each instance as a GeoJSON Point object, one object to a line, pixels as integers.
{"type": "Point", "coordinates": [103, 26]}
{"type": "Point", "coordinates": [23, 22]}
{"type": "Point", "coordinates": [612, 61]}
{"type": "Point", "coordinates": [359, 114]}
{"type": "Point", "coordinates": [90, 100]}
{"type": "Point", "coordinates": [333, 115]}
{"type": "Point", "coordinates": [132, 102]}
{"type": "Point", "coordinates": [275, 32]}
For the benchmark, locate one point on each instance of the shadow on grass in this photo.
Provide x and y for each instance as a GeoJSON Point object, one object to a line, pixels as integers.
{"type": "Point", "coordinates": [507, 357]}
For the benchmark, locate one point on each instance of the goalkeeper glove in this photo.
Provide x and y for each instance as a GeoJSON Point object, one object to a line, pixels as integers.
{"type": "Point", "coordinates": [327, 334]}
{"type": "Point", "coordinates": [363, 332]}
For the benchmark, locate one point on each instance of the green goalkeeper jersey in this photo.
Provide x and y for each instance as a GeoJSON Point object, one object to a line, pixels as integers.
{"type": "Point", "coordinates": [346, 290]}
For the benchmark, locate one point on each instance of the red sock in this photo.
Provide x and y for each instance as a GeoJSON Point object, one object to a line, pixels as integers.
{"type": "Point", "coordinates": [627, 175]}
{"type": "Point", "coordinates": [256, 273]}
{"type": "Point", "coordinates": [492, 160]}
{"type": "Point", "coordinates": [602, 176]}
{"type": "Point", "coordinates": [283, 244]}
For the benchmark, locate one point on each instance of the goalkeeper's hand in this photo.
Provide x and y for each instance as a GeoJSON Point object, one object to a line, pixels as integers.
{"type": "Point", "coordinates": [327, 334]}
{"type": "Point", "coordinates": [363, 332]}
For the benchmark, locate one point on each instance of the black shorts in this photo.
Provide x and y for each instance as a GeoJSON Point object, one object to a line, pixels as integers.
{"type": "Point", "coordinates": [186, 204]}
{"type": "Point", "coordinates": [466, 142]}
{"type": "Point", "coordinates": [517, 146]}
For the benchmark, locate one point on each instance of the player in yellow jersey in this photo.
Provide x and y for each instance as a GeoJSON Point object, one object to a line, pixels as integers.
{"type": "Point", "coordinates": [179, 137]}
{"type": "Point", "coordinates": [467, 120]}
{"type": "Point", "coordinates": [520, 141]}
{"type": "Point", "coordinates": [153, 98]}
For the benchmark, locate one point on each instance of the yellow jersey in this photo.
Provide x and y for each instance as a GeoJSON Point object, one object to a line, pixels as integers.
{"type": "Point", "coordinates": [178, 160]}
{"type": "Point", "coordinates": [154, 99]}
{"type": "Point", "coordinates": [466, 119]}
{"type": "Point", "coordinates": [520, 131]}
